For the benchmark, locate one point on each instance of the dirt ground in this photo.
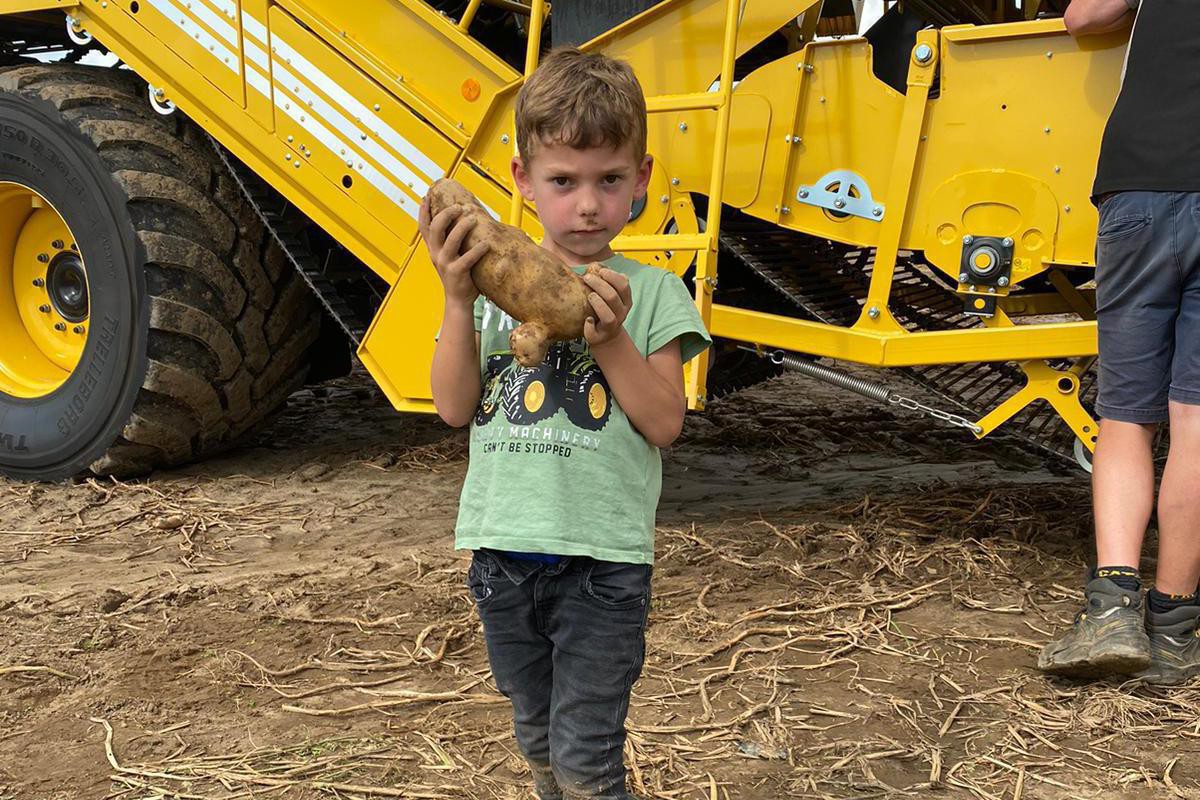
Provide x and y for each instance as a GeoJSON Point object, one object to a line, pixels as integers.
{"type": "Point", "coordinates": [848, 603]}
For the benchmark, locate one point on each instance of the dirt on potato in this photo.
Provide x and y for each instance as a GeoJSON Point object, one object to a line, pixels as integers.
{"type": "Point", "coordinates": [848, 602]}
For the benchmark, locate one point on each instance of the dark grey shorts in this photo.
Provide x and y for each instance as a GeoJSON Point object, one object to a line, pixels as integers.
{"type": "Point", "coordinates": [1148, 304]}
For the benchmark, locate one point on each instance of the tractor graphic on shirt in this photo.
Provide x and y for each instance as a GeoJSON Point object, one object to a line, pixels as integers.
{"type": "Point", "coordinates": [568, 378]}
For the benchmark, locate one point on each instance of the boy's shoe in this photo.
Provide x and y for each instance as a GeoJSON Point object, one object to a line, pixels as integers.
{"type": "Point", "coordinates": [1107, 638]}
{"type": "Point", "coordinates": [1174, 646]}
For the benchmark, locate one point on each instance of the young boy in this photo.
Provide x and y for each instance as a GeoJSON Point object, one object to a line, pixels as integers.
{"type": "Point", "coordinates": [564, 475]}
{"type": "Point", "coordinates": [1148, 309]}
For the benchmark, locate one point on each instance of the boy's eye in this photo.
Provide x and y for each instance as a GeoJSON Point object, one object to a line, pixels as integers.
{"type": "Point", "coordinates": [611, 179]}
{"type": "Point", "coordinates": [561, 181]}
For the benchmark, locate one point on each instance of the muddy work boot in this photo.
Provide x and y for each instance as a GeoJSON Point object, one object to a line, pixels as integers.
{"type": "Point", "coordinates": [1174, 645]}
{"type": "Point", "coordinates": [1107, 638]}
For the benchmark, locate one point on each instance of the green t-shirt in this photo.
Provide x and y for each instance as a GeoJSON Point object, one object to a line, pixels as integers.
{"type": "Point", "coordinates": [555, 465]}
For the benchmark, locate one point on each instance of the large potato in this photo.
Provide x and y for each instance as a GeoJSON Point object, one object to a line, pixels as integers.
{"type": "Point", "coordinates": [528, 283]}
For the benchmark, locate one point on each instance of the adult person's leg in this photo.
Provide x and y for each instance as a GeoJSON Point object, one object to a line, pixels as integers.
{"type": "Point", "coordinates": [1138, 289]}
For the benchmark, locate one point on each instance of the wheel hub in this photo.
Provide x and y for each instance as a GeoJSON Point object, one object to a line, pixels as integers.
{"type": "Point", "coordinates": [44, 297]}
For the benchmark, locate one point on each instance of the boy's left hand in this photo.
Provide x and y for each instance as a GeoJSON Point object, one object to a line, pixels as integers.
{"type": "Point", "coordinates": [611, 300]}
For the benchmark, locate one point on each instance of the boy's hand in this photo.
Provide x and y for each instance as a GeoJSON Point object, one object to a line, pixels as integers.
{"type": "Point", "coordinates": [444, 236]}
{"type": "Point", "coordinates": [611, 299]}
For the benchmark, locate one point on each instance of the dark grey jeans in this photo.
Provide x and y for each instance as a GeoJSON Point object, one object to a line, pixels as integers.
{"type": "Point", "coordinates": [1148, 304]}
{"type": "Point", "coordinates": [566, 643]}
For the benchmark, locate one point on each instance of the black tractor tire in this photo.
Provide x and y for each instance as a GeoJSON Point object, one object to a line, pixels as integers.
{"type": "Point", "coordinates": [200, 329]}
{"type": "Point", "coordinates": [525, 385]}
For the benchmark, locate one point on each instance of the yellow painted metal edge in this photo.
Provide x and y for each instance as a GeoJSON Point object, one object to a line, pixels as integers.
{"type": "Point", "coordinates": [25, 6]}
{"type": "Point", "coordinates": [884, 349]}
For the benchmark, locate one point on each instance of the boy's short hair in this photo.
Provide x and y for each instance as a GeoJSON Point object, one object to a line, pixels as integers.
{"type": "Point", "coordinates": [581, 100]}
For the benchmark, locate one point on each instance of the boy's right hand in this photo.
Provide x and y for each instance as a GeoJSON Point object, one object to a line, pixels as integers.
{"type": "Point", "coordinates": [444, 236]}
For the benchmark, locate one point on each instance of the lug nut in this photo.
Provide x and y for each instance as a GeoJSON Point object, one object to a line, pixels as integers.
{"type": "Point", "coordinates": [39, 282]}
{"type": "Point", "coordinates": [60, 326]}
{"type": "Point", "coordinates": [45, 309]}
{"type": "Point", "coordinates": [78, 329]}
{"type": "Point", "coordinates": [42, 257]}
{"type": "Point", "coordinates": [57, 244]}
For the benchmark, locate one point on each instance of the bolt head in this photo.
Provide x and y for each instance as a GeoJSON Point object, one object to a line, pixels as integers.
{"type": "Point", "coordinates": [43, 257]}
{"type": "Point", "coordinates": [39, 282]}
{"type": "Point", "coordinates": [78, 329]}
{"type": "Point", "coordinates": [664, 199]}
{"type": "Point", "coordinates": [923, 53]}
{"type": "Point", "coordinates": [57, 244]}
{"type": "Point", "coordinates": [504, 139]}
{"type": "Point", "coordinates": [45, 309]}
{"type": "Point", "coordinates": [877, 211]}
{"type": "Point", "coordinates": [1008, 242]}
{"type": "Point", "coordinates": [804, 192]}
{"type": "Point", "coordinates": [962, 277]}
{"type": "Point", "coordinates": [968, 239]}
{"type": "Point", "coordinates": [786, 210]}
{"type": "Point", "coordinates": [683, 126]}
{"type": "Point", "coordinates": [674, 181]}
{"type": "Point", "coordinates": [1003, 281]}
{"type": "Point", "coordinates": [873, 312]}
{"type": "Point", "coordinates": [840, 203]}
{"type": "Point", "coordinates": [60, 326]}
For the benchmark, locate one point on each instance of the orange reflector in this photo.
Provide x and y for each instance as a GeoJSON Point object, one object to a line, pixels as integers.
{"type": "Point", "coordinates": [470, 89]}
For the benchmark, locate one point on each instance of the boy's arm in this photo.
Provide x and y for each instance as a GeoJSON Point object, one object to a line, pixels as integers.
{"type": "Point", "coordinates": [454, 376]}
{"type": "Point", "coordinates": [1085, 17]}
{"type": "Point", "coordinates": [649, 388]}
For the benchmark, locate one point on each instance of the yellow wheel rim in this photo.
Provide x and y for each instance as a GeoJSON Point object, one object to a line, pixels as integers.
{"type": "Point", "coordinates": [44, 300]}
{"type": "Point", "coordinates": [535, 395]}
{"type": "Point", "coordinates": [597, 401]}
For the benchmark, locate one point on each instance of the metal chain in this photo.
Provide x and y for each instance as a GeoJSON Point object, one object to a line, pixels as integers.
{"type": "Point", "coordinates": [945, 416]}
{"type": "Point", "coordinates": [866, 388]}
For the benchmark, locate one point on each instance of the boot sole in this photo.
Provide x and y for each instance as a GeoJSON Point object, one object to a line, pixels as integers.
{"type": "Point", "coordinates": [1111, 661]}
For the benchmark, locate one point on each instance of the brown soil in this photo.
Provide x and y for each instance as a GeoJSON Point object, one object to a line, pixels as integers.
{"type": "Point", "coordinates": [848, 603]}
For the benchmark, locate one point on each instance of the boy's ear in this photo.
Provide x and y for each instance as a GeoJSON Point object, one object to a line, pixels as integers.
{"type": "Point", "coordinates": [643, 177]}
{"type": "Point", "coordinates": [522, 178]}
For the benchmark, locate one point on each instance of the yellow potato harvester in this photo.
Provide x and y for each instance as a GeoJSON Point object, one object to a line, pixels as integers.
{"type": "Point", "coordinates": [228, 211]}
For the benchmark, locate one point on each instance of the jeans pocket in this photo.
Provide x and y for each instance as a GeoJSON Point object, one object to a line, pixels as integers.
{"type": "Point", "coordinates": [1123, 215]}
{"type": "Point", "coordinates": [479, 579]}
{"type": "Point", "coordinates": [616, 586]}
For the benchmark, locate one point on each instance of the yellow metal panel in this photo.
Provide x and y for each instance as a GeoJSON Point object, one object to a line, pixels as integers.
{"type": "Point", "coordinates": [375, 149]}
{"type": "Point", "coordinates": [991, 203]}
{"type": "Point", "coordinates": [256, 62]}
{"type": "Point", "coordinates": [201, 32]}
{"type": "Point", "coordinates": [24, 6]}
{"type": "Point", "coordinates": [418, 54]}
{"type": "Point", "coordinates": [691, 140]}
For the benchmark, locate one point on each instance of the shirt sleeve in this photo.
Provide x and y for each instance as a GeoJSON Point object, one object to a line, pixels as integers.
{"type": "Point", "coordinates": [675, 317]}
{"type": "Point", "coordinates": [478, 309]}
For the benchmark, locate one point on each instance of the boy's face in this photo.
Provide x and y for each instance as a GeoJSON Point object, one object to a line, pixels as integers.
{"type": "Point", "coordinates": [583, 197]}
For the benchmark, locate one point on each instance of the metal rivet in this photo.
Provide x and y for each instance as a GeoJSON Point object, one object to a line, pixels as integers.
{"type": "Point", "coordinates": [786, 210]}
{"type": "Point", "coordinates": [1057, 169]}
{"type": "Point", "coordinates": [1067, 209]}
{"type": "Point", "coordinates": [877, 211]}
{"type": "Point", "coordinates": [60, 326]}
{"type": "Point", "coordinates": [1046, 129]}
{"type": "Point", "coordinates": [664, 199]}
{"type": "Point", "coordinates": [683, 126]}
{"type": "Point", "coordinates": [971, 288]}
{"type": "Point", "coordinates": [873, 312]}
{"type": "Point", "coordinates": [291, 139]}
{"type": "Point", "coordinates": [363, 137]}
{"type": "Point", "coordinates": [804, 192]}
{"type": "Point", "coordinates": [822, 98]}
{"type": "Point", "coordinates": [287, 156]}
{"type": "Point", "coordinates": [991, 290]}
{"type": "Point", "coordinates": [1049, 54]}
{"type": "Point", "coordinates": [377, 106]}
{"type": "Point", "coordinates": [297, 164]}
{"type": "Point", "coordinates": [504, 138]}
{"type": "Point", "coordinates": [840, 203]}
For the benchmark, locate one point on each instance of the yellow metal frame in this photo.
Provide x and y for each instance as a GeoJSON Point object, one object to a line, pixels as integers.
{"type": "Point", "coordinates": [989, 153]}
